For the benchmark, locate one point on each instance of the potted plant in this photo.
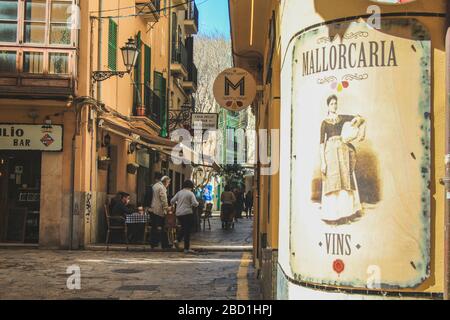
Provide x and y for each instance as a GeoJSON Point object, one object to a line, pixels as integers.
{"type": "Point", "coordinates": [140, 111]}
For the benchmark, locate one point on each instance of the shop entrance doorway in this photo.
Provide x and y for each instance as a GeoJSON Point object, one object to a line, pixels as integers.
{"type": "Point", "coordinates": [20, 186]}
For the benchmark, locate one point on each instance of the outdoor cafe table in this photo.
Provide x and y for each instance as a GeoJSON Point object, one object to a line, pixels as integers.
{"type": "Point", "coordinates": [136, 226]}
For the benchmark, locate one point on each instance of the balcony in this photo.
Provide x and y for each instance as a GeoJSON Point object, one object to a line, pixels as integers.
{"type": "Point", "coordinates": [179, 64]}
{"type": "Point", "coordinates": [191, 84]}
{"type": "Point", "coordinates": [40, 73]}
{"type": "Point", "coordinates": [191, 19]}
{"type": "Point", "coordinates": [180, 4]}
{"type": "Point", "coordinates": [148, 10]}
{"type": "Point", "coordinates": [151, 108]}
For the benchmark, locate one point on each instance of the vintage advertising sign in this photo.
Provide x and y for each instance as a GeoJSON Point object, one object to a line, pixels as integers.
{"type": "Point", "coordinates": [235, 89]}
{"type": "Point", "coordinates": [360, 157]}
{"type": "Point", "coordinates": [31, 137]}
{"type": "Point", "coordinates": [209, 121]}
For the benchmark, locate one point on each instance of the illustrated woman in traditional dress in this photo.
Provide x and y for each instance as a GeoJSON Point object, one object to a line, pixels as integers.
{"type": "Point", "coordinates": [340, 196]}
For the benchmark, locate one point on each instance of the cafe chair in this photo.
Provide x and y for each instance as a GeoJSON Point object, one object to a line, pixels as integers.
{"type": "Point", "coordinates": [147, 228]}
{"type": "Point", "coordinates": [115, 228]}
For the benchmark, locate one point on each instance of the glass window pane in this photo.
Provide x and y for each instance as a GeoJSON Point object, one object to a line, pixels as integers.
{"type": "Point", "coordinates": [60, 34]}
{"type": "Point", "coordinates": [8, 31]}
{"type": "Point", "coordinates": [8, 9]}
{"type": "Point", "coordinates": [58, 63]}
{"type": "Point", "coordinates": [8, 61]}
{"type": "Point", "coordinates": [33, 62]}
{"type": "Point", "coordinates": [35, 10]}
{"type": "Point", "coordinates": [34, 32]}
{"type": "Point", "coordinates": [60, 11]}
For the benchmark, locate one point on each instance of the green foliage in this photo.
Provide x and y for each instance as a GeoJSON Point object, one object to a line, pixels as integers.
{"type": "Point", "coordinates": [233, 175]}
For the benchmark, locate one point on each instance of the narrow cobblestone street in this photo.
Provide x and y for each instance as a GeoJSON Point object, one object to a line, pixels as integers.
{"type": "Point", "coordinates": [219, 274]}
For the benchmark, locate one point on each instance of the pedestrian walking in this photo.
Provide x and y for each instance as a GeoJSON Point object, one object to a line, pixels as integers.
{"type": "Point", "coordinates": [249, 204]}
{"type": "Point", "coordinates": [158, 213]}
{"type": "Point", "coordinates": [227, 214]}
{"type": "Point", "coordinates": [148, 197]}
{"type": "Point", "coordinates": [185, 201]}
{"type": "Point", "coordinates": [239, 203]}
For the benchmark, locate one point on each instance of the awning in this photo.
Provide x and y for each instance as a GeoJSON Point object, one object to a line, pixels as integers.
{"type": "Point", "coordinates": [156, 143]}
{"type": "Point", "coordinates": [138, 132]}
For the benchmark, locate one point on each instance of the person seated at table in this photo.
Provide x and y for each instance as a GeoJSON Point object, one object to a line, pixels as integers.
{"type": "Point", "coordinates": [136, 224]}
{"type": "Point", "coordinates": [140, 209]}
{"type": "Point", "coordinates": [120, 208]}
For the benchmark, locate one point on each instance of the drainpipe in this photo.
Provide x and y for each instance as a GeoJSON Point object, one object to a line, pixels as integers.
{"type": "Point", "coordinates": [447, 160]}
{"type": "Point", "coordinates": [99, 49]}
{"type": "Point", "coordinates": [169, 59]}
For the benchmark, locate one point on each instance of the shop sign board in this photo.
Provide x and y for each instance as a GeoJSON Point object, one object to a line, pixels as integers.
{"type": "Point", "coordinates": [235, 89]}
{"type": "Point", "coordinates": [28, 137]}
{"type": "Point", "coordinates": [209, 121]}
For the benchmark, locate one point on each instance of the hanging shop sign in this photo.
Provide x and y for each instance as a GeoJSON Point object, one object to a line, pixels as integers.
{"type": "Point", "coordinates": [31, 137]}
{"type": "Point", "coordinates": [208, 121]}
{"type": "Point", "coordinates": [235, 89]}
{"type": "Point", "coordinates": [360, 156]}
{"type": "Point", "coordinates": [393, 1]}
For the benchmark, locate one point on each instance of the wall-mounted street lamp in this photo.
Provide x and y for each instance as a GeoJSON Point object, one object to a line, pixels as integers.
{"type": "Point", "coordinates": [130, 53]}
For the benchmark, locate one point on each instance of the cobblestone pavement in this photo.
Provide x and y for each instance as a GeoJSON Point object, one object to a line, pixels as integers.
{"type": "Point", "coordinates": [240, 236]}
{"type": "Point", "coordinates": [42, 274]}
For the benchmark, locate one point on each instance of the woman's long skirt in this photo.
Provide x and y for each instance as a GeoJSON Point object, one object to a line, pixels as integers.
{"type": "Point", "coordinates": [340, 195]}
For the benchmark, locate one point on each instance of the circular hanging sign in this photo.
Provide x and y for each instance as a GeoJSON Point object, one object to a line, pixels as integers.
{"type": "Point", "coordinates": [235, 89]}
{"type": "Point", "coordinates": [393, 1]}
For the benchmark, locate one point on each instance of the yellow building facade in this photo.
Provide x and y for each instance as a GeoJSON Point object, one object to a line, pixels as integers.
{"type": "Point", "coordinates": [101, 130]}
{"type": "Point", "coordinates": [383, 64]}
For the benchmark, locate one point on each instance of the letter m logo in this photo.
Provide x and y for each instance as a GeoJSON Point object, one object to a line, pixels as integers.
{"type": "Point", "coordinates": [240, 85]}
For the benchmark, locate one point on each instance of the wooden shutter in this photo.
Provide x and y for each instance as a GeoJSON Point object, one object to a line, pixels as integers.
{"type": "Point", "coordinates": [147, 73]}
{"type": "Point", "coordinates": [137, 74]}
{"type": "Point", "coordinates": [160, 87]}
{"type": "Point", "coordinates": [112, 45]}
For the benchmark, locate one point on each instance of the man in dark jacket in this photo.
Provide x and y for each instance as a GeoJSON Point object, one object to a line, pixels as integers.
{"type": "Point", "coordinates": [120, 208]}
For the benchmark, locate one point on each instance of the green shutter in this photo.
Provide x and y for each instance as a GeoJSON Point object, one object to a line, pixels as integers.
{"type": "Point", "coordinates": [112, 45]}
{"type": "Point", "coordinates": [148, 64]}
{"type": "Point", "coordinates": [137, 74]}
{"type": "Point", "coordinates": [160, 90]}
{"type": "Point", "coordinates": [164, 131]}
{"type": "Point", "coordinates": [147, 73]}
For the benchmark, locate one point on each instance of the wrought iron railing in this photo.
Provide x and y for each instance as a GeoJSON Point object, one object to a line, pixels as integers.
{"type": "Point", "coordinates": [157, 5]}
{"type": "Point", "coordinates": [192, 13]}
{"type": "Point", "coordinates": [153, 105]}
{"type": "Point", "coordinates": [193, 74]}
{"type": "Point", "coordinates": [180, 54]}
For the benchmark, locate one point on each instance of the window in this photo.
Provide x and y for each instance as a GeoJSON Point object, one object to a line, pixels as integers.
{"type": "Point", "coordinates": [112, 45]}
{"type": "Point", "coordinates": [34, 24]}
{"type": "Point", "coordinates": [8, 61]}
{"type": "Point", "coordinates": [37, 22]}
{"type": "Point", "coordinates": [58, 63]}
{"type": "Point", "coordinates": [60, 29]}
{"type": "Point", "coordinates": [8, 20]}
{"type": "Point", "coordinates": [33, 62]}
